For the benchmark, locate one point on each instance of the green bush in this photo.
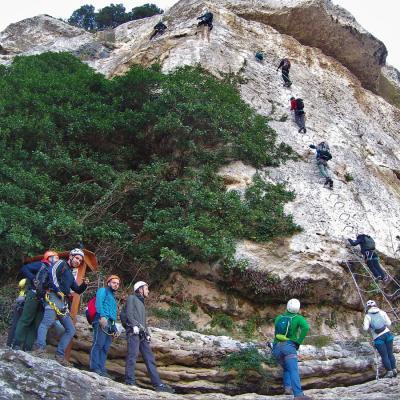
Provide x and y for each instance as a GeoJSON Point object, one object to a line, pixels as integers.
{"type": "Point", "coordinates": [176, 316]}
{"type": "Point", "coordinates": [223, 321]}
{"type": "Point", "coordinates": [244, 362]}
{"type": "Point", "coordinates": [8, 294]}
{"type": "Point", "coordinates": [128, 166]}
{"type": "Point", "coordinates": [348, 177]}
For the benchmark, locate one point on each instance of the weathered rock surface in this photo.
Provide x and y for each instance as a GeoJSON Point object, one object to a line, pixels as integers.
{"type": "Point", "coordinates": [189, 361]}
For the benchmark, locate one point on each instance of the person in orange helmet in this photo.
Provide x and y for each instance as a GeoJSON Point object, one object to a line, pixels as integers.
{"type": "Point", "coordinates": [32, 314]}
{"type": "Point", "coordinates": [104, 328]}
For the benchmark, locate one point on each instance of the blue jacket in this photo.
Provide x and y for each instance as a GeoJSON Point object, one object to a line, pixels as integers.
{"type": "Point", "coordinates": [106, 305]}
{"type": "Point", "coordinates": [360, 240]}
{"type": "Point", "coordinates": [29, 272]}
{"type": "Point", "coordinates": [62, 279]}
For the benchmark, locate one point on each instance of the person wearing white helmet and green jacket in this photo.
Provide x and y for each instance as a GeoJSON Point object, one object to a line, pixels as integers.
{"type": "Point", "coordinates": [378, 323]}
{"type": "Point", "coordinates": [290, 330]}
{"type": "Point", "coordinates": [133, 318]}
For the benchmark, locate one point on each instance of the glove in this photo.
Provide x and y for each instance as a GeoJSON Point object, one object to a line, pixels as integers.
{"type": "Point", "coordinates": [60, 295]}
{"type": "Point", "coordinates": [148, 338]}
{"type": "Point", "coordinates": [136, 330]}
{"type": "Point", "coordinates": [103, 322]}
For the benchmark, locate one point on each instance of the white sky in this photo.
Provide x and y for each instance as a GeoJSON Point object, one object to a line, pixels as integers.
{"type": "Point", "coordinates": [378, 17]}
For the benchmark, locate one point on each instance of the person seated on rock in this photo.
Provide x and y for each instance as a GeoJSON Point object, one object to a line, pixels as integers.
{"type": "Point", "coordinates": [62, 281]}
{"type": "Point", "coordinates": [159, 29]}
{"type": "Point", "coordinates": [323, 155]}
{"type": "Point", "coordinates": [367, 245]}
{"type": "Point", "coordinates": [32, 313]}
{"type": "Point", "coordinates": [259, 56]}
{"type": "Point", "coordinates": [139, 338]}
{"type": "Point", "coordinates": [285, 65]}
{"type": "Point", "coordinates": [104, 328]}
{"type": "Point", "coordinates": [206, 20]}
{"type": "Point", "coordinates": [378, 323]}
{"type": "Point", "coordinates": [291, 329]}
{"type": "Point", "coordinates": [297, 105]}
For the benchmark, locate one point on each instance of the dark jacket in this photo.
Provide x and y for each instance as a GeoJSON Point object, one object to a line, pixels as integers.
{"type": "Point", "coordinates": [207, 17]}
{"type": "Point", "coordinates": [136, 312]}
{"type": "Point", "coordinates": [29, 272]}
{"type": "Point", "coordinates": [282, 65]}
{"type": "Point", "coordinates": [360, 240]}
{"type": "Point", "coordinates": [62, 279]}
{"type": "Point", "coordinates": [160, 27]}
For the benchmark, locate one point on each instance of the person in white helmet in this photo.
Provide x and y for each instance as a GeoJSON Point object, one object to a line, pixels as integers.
{"type": "Point", "coordinates": [291, 329]}
{"type": "Point", "coordinates": [55, 304]}
{"type": "Point", "coordinates": [378, 323]}
{"type": "Point", "coordinates": [139, 339]}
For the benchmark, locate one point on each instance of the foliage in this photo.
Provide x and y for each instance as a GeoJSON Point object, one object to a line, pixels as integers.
{"type": "Point", "coordinates": [177, 317]}
{"type": "Point", "coordinates": [128, 166]}
{"type": "Point", "coordinates": [223, 321]}
{"type": "Point", "coordinates": [251, 325]}
{"type": "Point", "coordinates": [245, 362]}
{"type": "Point", "coordinates": [8, 295]}
{"type": "Point", "coordinates": [110, 16]}
{"type": "Point", "coordinates": [348, 177]}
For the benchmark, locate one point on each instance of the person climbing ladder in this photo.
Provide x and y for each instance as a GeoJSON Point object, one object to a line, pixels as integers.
{"type": "Point", "coordinates": [367, 245]}
{"type": "Point", "coordinates": [323, 156]}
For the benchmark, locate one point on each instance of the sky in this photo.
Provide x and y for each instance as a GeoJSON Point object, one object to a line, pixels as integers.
{"type": "Point", "coordinates": [378, 17]}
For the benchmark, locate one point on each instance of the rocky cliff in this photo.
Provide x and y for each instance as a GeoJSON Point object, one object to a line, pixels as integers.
{"type": "Point", "coordinates": [360, 126]}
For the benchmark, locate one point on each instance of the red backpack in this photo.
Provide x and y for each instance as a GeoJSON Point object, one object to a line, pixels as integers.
{"type": "Point", "coordinates": [91, 310]}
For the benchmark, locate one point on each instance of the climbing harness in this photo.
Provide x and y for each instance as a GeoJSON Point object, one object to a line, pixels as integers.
{"type": "Point", "coordinates": [60, 313]}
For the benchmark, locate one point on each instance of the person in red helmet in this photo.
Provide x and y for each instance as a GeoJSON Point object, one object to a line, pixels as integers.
{"type": "Point", "coordinates": [32, 314]}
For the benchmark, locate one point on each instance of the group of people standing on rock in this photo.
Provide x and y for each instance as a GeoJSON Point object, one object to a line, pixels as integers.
{"type": "Point", "coordinates": [291, 328]}
{"type": "Point", "coordinates": [44, 300]}
{"type": "Point", "coordinates": [205, 22]}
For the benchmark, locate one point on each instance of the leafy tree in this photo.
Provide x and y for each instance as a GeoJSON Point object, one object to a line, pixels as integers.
{"type": "Point", "coordinates": [128, 165]}
{"type": "Point", "coordinates": [111, 16]}
{"type": "Point", "coordinates": [84, 17]}
{"type": "Point", "coordinates": [144, 11]}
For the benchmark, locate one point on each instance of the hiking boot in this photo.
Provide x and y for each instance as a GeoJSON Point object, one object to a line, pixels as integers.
{"type": "Point", "coordinates": [105, 374]}
{"type": "Point", "coordinates": [163, 387]}
{"type": "Point", "coordinates": [389, 374]}
{"type": "Point", "coordinates": [61, 360]}
{"type": "Point", "coordinates": [331, 184]}
{"type": "Point", "coordinates": [288, 390]}
{"type": "Point", "coordinates": [39, 352]}
{"type": "Point", "coordinates": [304, 130]}
{"type": "Point", "coordinates": [394, 372]}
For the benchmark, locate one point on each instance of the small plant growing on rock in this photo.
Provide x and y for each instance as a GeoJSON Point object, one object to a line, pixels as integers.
{"type": "Point", "coordinates": [348, 177]}
{"type": "Point", "coordinates": [223, 321]}
{"type": "Point", "coordinates": [177, 317]}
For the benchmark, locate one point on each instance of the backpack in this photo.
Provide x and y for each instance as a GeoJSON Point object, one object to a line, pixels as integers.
{"type": "Point", "coordinates": [208, 17]}
{"type": "Point", "coordinates": [378, 324]}
{"type": "Point", "coordinates": [369, 243]}
{"type": "Point", "coordinates": [286, 63]}
{"type": "Point", "coordinates": [91, 310]}
{"type": "Point", "coordinates": [299, 104]}
{"type": "Point", "coordinates": [123, 316]}
{"type": "Point", "coordinates": [282, 327]}
{"type": "Point", "coordinates": [42, 280]}
{"type": "Point", "coordinates": [325, 155]}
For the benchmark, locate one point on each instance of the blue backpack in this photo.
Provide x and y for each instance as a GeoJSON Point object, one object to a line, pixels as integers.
{"type": "Point", "coordinates": [282, 327]}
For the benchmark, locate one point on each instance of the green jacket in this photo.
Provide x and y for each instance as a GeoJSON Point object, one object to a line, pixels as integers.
{"type": "Point", "coordinates": [298, 323]}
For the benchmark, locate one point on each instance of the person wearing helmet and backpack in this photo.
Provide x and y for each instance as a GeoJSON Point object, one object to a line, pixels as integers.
{"type": "Point", "coordinates": [367, 245]}
{"type": "Point", "coordinates": [55, 304]}
{"type": "Point", "coordinates": [290, 330]}
{"type": "Point", "coordinates": [104, 328]}
{"type": "Point", "coordinates": [32, 313]}
{"type": "Point", "coordinates": [297, 105]}
{"type": "Point", "coordinates": [285, 65]}
{"type": "Point", "coordinates": [323, 155]}
{"type": "Point", "coordinates": [133, 317]}
{"type": "Point", "coordinates": [378, 323]}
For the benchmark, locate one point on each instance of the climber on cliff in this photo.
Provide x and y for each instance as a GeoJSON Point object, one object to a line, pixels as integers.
{"type": "Point", "coordinates": [104, 328]}
{"type": "Point", "coordinates": [297, 106]}
{"type": "Point", "coordinates": [32, 313]}
{"type": "Point", "coordinates": [134, 320]}
{"type": "Point", "coordinates": [291, 329]}
{"type": "Point", "coordinates": [206, 20]}
{"type": "Point", "coordinates": [55, 304]}
{"type": "Point", "coordinates": [285, 65]}
{"type": "Point", "coordinates": [367, 245]}
{"type": "Point", "coordinates": [323, 155]}
{"type": "Point", "coordinates": [378, 323]}
{"type": "Point", "coordinates": [159, 29]}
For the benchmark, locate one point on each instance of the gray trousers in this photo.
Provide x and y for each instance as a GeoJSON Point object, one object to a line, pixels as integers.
{"type": "Point", "coordinates": [299, 119]}
{"type": "Point", "coordinates": [138, 343]}
{"type": "Point", "coordinates": [323, 168]}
